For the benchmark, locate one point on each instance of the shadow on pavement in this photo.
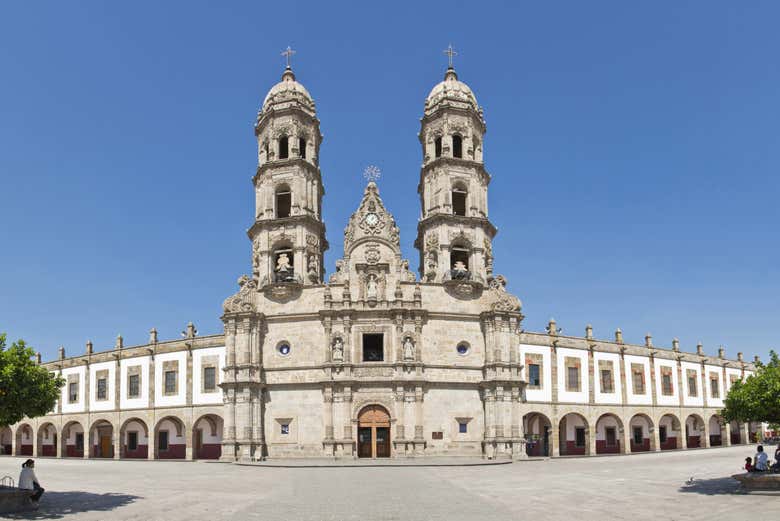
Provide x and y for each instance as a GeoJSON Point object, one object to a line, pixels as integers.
{"type": "Point", "coordinates": [713, 487]}
{"type": "Point", "coordinates": [55, 505]}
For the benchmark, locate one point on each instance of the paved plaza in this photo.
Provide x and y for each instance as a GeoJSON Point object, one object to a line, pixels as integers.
{"type": "Point", "coordinates": [647, 486]}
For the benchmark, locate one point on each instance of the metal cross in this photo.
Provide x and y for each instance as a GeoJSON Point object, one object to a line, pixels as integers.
{"type": "Point", "coordinates": [450, 52]}
{"type": "Point", "coordinates": [372, 173]}
{"type": "Point", "coordinates": [287, 53]}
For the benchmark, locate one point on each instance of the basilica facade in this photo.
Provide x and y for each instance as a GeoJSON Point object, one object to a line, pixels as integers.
{"type": "Point", "coordinates": [377, 360]}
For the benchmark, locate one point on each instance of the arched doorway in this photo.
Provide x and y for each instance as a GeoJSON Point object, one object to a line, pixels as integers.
{"type": "Point", "coordinates": [573, 435]}
{"type": "Point", "coordinates": [134, 439]}
{"type": "Point", "coordinates": [374, 432]}
{"type": "Point", "coordinates": [170, 439]}
{"type": "Point", "coordinates": [24, 440]}
{"type": "Point", "coordinates": [641, 427]}
{"type": "Point", "coordinates": [72, 440]}
{"type": "Point", "coordinates": [101, 440]}
{"type": "Point", "coordinates": [717, 430]}
{"type": "Point", "coordinates": [694, 430]}
{"type": "Point", "coordinates": [669, 432]}
{"type": "Point", "coordinates": [538, 434]}
{"type": "Point", "coordinates": [609, 432]}
{"type": "Point", "coordinates": [47, 440]}
{"type": "Point", "coordinates": [6, 441]}
{"type": "Point", "coordinates": [207, 437]}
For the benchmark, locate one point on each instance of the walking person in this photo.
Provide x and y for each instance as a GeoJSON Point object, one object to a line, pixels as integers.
{"type": "Point", "coordinates": [29, 481]}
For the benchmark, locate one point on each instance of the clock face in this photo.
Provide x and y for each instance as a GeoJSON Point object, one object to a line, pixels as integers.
{"type": "Point", "coordinates": [372, 219]}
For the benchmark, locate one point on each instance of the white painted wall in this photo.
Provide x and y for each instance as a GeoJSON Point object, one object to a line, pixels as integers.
{"type": "Point", "coordinates": [206, 429]}
{"type": "Point", "coordinates": [104, 405]}
{"type": "Point", "coordinates": [603, 423]}
{"type": "Point", "coordinates": [660, 398]}
{"type": "Point", "coordinates": [159, 385]}
{"type": "Point", "coordinates": [689, 400]}
{"type": "Point", "coordinates": [545, 393]}
{"type": "Point", "coordinates": [173, 439]}
{"type": "Point", "coordinates": [599, 395]}
{"type": "Point", "coordinates": [573, 421]}
{"type": "Point", "coordinates": [572, 397]}
{"type": "Point", "coordinates": [143, 397]}
{"type": "Point", "coordinates": [638, 399]}
{"type": "Point", "coordinates": [711, 400]}
{"type": "Point", "coordinates": [79, 405]}
{"type": "Point", "coordinates": [197, 376]}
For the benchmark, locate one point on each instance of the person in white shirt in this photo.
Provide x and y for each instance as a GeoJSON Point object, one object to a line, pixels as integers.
{"type": "Point", "coordinates": [761, 460]}
{"type": "Point", "coordinates": [29, 481]}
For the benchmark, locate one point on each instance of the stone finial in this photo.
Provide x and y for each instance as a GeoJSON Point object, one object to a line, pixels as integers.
{"type": "Point", "coordinates": [676, 345]}
{"type": "Point", "coordinates": [191, 331]}
{"type": "Point", "coordinates": [552, 327]}
{"type": "Point", "coordinates": [739, 356]}
{"type": "Point", "coordinates": [120, 343]}
{"type": "Point", "coordinates": [89, 347]}
{"type": "Point", "coordinates": [38, 358]}
{"type": "Point", "coordinates": [699, 349]}
{"type": "Point", "coordinates": [757, 359]}
{"type": "Point", "coordinates": [62, 352]}
{"type": "Point", "coordinates": [618, 336]}
{"type": "Point", "coordinates": [721, 352]}
{"type": "Point", "coordinates": [589, 332]}
{"type": "Point", "coordinates": [153, 336]}
{"type": "Point", "coordinates": [648, 340]}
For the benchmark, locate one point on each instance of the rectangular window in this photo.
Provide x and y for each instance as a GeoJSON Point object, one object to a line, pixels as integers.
{"type": "Point", "coordinates": [572, 374]}
{"type": "Point", "coordinates": [170, 382]}
{"type": "Point", "coordinates": [714, 385]}
{"type": "Point", "coordinates": [463, 427]}
{"type": "Point", "coordinates": [373, 347]}
{"type": "Point", "coordinates": [101, 389]}
{"type": "Point", "coordinates": [638, 436]}
{"type": "Point", "coordinates": [533, 376]}
{"type": "Point", "coordinates": [133, 388]}
{"type": "Point", "coordinates": [73, 392]}
{"type": "Point", "coordinates": [638, 378]}
{"type": "Point", "coordinates": [579, 436]}
{"type": "Point", "coordinates": [667, 389]}
{"type": "Point", "coordinates": [132, 440]}
{"type": "Point", "coordinates": [210, 378]}
{"type": "Point", "coordinates": [693, 389]}
{"type": "Point", "coordinates": [285, 429]}
{"type": "Point", "coordinates": [611, 436]}
{"type": "Point", "coordinates": [162, 441]}
{"type": "Point", "coordinates": [732, 379]}
{"type": "Point", "coordinates": [607, 383]}
{"type": "Point", "coordinates": [662, 434]}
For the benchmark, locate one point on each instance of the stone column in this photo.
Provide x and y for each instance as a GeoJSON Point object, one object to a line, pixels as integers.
{"type": "Point", "coordinates": [653, 383]}
{"type": "Point", "coordinates": [725, 434]}
{"type": "Point", "coordinates": [625, 436]}
{"type": "Point", "coordinates": [189, 377]}
{"type": "Point", "coordinates": [327, 404]}
{"type": "Point", "coordinates": [623, 381]}
{"type": "Point", "coordinates": [419, 439]}
{"type": "Point", "coordinates": [553, 373]}
{"type": "Point", "coordinates": [555, 446]}
{"type": "Point", "coordinates": [399, 413]}
{"type": "Point", "coordinates": [591, 439]}
{"type": "Point", "coordinates": [705, 442]}
{"type": "Point", "coordinates": [744, 433]}
{"type": "Point", "coordinates": [591, 380]}
{"type": "Point", "coordinates": [116, 439]}
{"type": "Point", "coordinates": [655, 442]}
{"type": "Point", "coordinates": [704, 388]}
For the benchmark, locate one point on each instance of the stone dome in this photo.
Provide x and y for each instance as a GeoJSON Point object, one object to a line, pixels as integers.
{"type": "Point", "coordinates": [286, 91]}
{"type": "Point", "coordinates": [451, 90]}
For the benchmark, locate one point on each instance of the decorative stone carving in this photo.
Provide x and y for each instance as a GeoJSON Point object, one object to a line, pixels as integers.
{"type": "Point", "coordinates": [371, 220]}
{"type": "Point", "coordinates": [431, 257]}
{"type": "Point", "coordinates": [338, 350]}
{"type": "Point", "coordinates": [462, 237]}
{"type": "Point", "coordinates": [371, 287]}
{"type": "Point", "coordinates": [313, 268]}
{"type": "Point", "coordinates": [372, 254]}
{"type": "Point", "coordinates": [243, 301]}
{"type": "Point", "coordinates": [339, 275]}
{"type": "Point", "coordinates": [407, 275]}
{"type": "Point", "coordinates": [312, 241]}
{"type": "Point", "coordinates": [408, 348]}
{"type": "Point", "coordinates": [500, 298]}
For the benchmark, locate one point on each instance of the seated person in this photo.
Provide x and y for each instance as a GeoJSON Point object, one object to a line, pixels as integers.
{"type": "Point", "coordinates": [761, 460]}
{"type": "Point", "coordinates": [749, 464]}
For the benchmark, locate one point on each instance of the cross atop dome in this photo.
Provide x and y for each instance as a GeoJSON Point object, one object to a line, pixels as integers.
{"type": "Point", "coordinates": [450, 52]}
{"type": "Point", "coordinates": [288, 53]}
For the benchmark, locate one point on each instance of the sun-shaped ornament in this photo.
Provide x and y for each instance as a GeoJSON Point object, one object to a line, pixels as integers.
{"type": "Point", "coordinates": [372, 173]}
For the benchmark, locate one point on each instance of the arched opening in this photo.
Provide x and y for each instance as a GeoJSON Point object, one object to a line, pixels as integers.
{"type": "Point", "coordinates": [101, 440]}
{"type": "Point", "coordinates": [134, 439]}
{"type": "Point", "coordinates": [736, 433]}
{"type": "Point", "coordinates": [573, 435]}
{"type": "Point", "coordinates": [694, 430]}
{"type": "Point", "coordinates": [207, 437]}
{"type": "Point", "coordinates": [437, 147]}
{"type": "Point", "coordinates": [302, 148]}
{"type": "Point", "coordinates": [538, 433]}
{"type": "Point", "coordinates": [459, 197]}
{"type": "Point", "coordinates": [374, 432]}
{"type": "Point", "coordinates": [609, 432]}
{"type": "Point", "coordinates": [283, 199]}
{"type": "Point", "coordinates": [459, 263]}
{"type": "Point", "coordinates": [6, 441]}
{"type": "Point", "coordinates": [284, 147]}
{"type": "Point", "coordinates": [170, 439]}
{"type": "Point", "coordinates": [457, 146]}
{"type": "Point", "coordinates": [641, 427]}
{"type": "Point", "coordinates": [24, 440]}
{"type": "Point", "coordinates": [669, 432]}
{"type": "Point", "coordinates": [72, 440]}
{"type": "Point", "coordinates": [47, 440]}
{"type": "Point", "coordinates": [284, 265]}
{"type": "Point", "coordinates": [716, 433]}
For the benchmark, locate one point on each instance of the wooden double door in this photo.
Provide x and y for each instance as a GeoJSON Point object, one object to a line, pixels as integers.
{"type": "Point", "coordinates": [374, 432]}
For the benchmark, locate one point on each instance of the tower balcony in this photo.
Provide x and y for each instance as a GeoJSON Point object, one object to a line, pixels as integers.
{"type": "Point", "coordinates": [463, 283]}
{"type": "Point", "coordinates": [282, 285]}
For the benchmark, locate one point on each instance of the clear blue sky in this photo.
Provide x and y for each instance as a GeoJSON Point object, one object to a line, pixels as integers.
{"type": "Point", "coordinates": [634, 149]}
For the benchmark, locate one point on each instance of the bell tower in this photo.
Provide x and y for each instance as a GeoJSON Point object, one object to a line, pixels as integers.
{"type": "Point", "coordinates": [288, 234]}
{"type": "Point", "coordinates": [454, 234]}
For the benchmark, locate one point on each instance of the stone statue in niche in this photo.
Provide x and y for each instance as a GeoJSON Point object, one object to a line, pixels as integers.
{"type": "Point", "coordinates": [459, 271]}
{"type": "Point", "coordinates": [313, 272]}
{"type": "Point", "coordinates": [338, 350]}
{"type": "Point", "coordinates": [408, 348]}
{"type": "Point", "coordinates": [371, 287]}
{"type": "Point", "coordinates": [283, 263]}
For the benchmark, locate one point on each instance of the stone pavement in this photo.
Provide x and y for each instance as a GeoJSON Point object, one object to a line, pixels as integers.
{"type": "Point", "coordinates": [640, 487]}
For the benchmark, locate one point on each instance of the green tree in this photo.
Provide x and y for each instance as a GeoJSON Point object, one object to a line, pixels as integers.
{"type": "Point", "coordinates": [757, 399]}
{"type": "Point", "coordinates": [26, 389]}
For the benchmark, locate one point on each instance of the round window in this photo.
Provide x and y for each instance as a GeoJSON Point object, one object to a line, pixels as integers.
{"type": "Point", "coordinates": [284, 349]}
{"type": "Point", "coordinates": [463, 349]}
